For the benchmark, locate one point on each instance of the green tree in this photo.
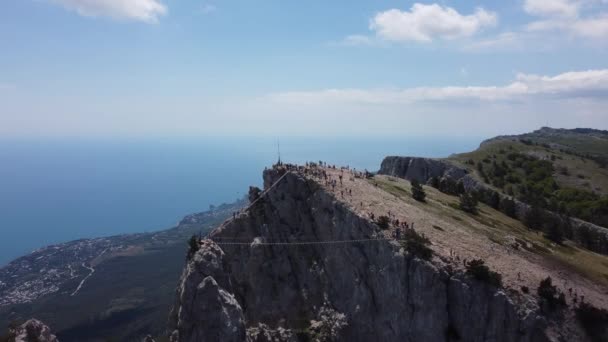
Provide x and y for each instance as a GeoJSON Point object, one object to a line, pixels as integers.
{"type": "Point", "coordinates": [383, 222]}
{"type": "Point", "coordinates": [534, 218]}
{"type": "Point", "coordinates": [550, 297]}
{"type": "Point", "coordinates": [478, 270]}
{"type": "Point", "coordinates": [468, 203]}
{"type": "Point", "coordinates": [417, 191]}
{"type": "Point", "coordinates": [416, 244]}
{"type": "Point", "coordinates": [508, 207]}
{"type": "Point", "coordinates": [194, 245]}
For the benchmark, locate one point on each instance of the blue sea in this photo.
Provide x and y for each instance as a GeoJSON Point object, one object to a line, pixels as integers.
{"type": "Point", "coordinates": [57, 190]}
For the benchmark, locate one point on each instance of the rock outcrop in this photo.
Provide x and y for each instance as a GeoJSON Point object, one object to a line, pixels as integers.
{"type": "Point", "coordinates": [248, 284]}
{"type": "Point", "coordinates": [420, 169]}
{"type": "Point", "coordinates": [31, 331]}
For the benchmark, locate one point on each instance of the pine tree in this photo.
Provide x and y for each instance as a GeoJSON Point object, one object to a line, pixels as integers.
{"type": "Point", "coordinates": [417, 191]}
{"type": "Point", "coordinates": [194, 246]}
{"type": "Point", "coordinates": [468, 203]}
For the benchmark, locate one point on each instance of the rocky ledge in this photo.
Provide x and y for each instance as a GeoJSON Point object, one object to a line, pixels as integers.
{"type": "Point", "coordinates": [246, 284]}
{"type": "Point", "coordinates": [32, 330]}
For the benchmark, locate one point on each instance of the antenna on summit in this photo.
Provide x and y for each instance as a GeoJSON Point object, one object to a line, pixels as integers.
{"type": "Point", "coordinates": [279, 152]}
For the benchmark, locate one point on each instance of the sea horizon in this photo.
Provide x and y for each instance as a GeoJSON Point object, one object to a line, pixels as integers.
{"type": "Point", "coordinates": [58, 190]}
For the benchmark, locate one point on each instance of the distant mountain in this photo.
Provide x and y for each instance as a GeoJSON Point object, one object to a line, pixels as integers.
{"type": "Point", "coordinates": [103, 289]}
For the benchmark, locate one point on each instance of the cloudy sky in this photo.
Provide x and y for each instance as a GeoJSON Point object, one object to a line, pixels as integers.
{"type": "Point", "coordinates": [274, 67]}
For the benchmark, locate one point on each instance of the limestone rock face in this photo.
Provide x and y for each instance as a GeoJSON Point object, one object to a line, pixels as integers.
{"type": "Point", "coordinates": [148, 339]}
{"type": "Point", "coordinates": [420, 169]}
{"type": "Point", "coordinates": [243, 288]}
{"type": "Point", "coordinates": [206, 310]}
{"type": "Point", "coordinates": [32, 331]}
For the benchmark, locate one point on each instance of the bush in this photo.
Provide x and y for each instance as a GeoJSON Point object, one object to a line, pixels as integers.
{"type": "Point", "coordinates": [555, 233]}
{"type": "Point", "coordinates": [451, 333]}
{"type": "Point", "coordinates": [594, 321]}
{"type": "Point", "coordinates": [417, 245]}
{"type": "Point", "coordinates": [550, 298]}
{"type": "Point", "coordinates": [417, 191]}
{"type": "Point", "coordinates": [534, 218]}
{"type": "Point", "coordinates": [194, 245]}
{"type": "Point", "coordinates": [507, 206]}
{"type": "Point", "coordinates": [434, 182]}
{"type": "Point", "coordinates": [468, 203]}
{"type": "Point", "coordinates": [478, 270]}
{"type": "Point", "coordinates": [383, 222]}
{"type": "Point", "coordinates": [525, 289]}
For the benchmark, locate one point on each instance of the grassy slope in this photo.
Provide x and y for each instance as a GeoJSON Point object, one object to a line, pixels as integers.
{"type": "Point", "coordinates": [584, 173]}
{"type": "Point", "coordinates": [500, 229]}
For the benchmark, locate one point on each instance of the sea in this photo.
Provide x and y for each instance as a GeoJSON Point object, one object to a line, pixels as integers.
{"type": "Point", "coordinates": [56, 190]}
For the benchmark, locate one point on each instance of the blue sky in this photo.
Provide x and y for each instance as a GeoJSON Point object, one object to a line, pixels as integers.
{"type": "Point", "coordinates": [190, 67]}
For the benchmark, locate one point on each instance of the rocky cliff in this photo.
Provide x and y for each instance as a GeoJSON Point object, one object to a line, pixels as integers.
{"type": "Point", "coordinates": [32, 330]}
{"type": "Point", "coordinates": [288, 269]}
{"type": "Point", "coordinates": [420, 169]}
{"type": "Point", "coordinates": [424, 169]}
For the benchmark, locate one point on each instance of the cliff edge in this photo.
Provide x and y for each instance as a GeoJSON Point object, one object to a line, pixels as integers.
{"type": "Point", "coordinates": [301, 263]}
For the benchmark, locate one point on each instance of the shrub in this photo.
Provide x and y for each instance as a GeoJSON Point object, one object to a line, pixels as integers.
{"type": "Point", "coordinates": [451, 333]}
{"type": "Point", "coordinates": [417, 191]}
{"type": "Point", "coordinates": [507, 206]}
{"type": "Point", "coordinates": [478, 270]}
{"type": "Point", "coordinates": [555, 233]}
{"type": "Point", "coordinates": [194, 245]}
{"type": "Point", "coordinates": [416, 244]}
{"type": "Point", "coordinates": [434, 182]}
{"type": "Point", "coordinates": [254, 193]}
{"type": "Point", "coordinates": [534, 218]}
{"type": "Point", "coordinates": [594, 321]}
{"type": "Point", "coordinates": [468, 203]}
{"type": "Point", "coordinates": [525, 289]}
{"type": "Point", "coordinates": [550, 298]}
{"type": "Point", "coordinates": [383, 222]}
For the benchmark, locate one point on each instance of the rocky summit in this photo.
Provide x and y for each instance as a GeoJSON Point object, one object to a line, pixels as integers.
{"type": "Point", "coordinates": [306, 262]}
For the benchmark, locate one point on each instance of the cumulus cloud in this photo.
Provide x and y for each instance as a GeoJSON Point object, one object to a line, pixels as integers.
{"type": "Point", "coordinates": [595, 27]}
{"type": "Point", "coordinates": [425, 23]}
{"type": "Point", "coordinates": [567, 16]}
{"type": "Point", "coordinates": [505, 40]}
{"type": "Point", "coordinates": [564, 8]}
{"type": "Point", "coordinates": [140, 10]}
{"type": "Point", "coordinates": [577, 84]}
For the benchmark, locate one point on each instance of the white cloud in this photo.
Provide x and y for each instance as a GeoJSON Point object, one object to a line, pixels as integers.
{"type": "Point", "coordinates": [564, 8]}
{"type": "Point", "coordinates": [357, 39]}
{"type": "Point", "coordinates": [428, 22]}
{"type": "Point", "coordinates": [578, 84]}
{"type": "Point", "coordinates": [595, 27]}
{"type": "Point", "coordinates": [566, 16]}
{"type": "Point", "coordinates": [505, 40]}
{"type": "Point", "coordinates": [141, 10]}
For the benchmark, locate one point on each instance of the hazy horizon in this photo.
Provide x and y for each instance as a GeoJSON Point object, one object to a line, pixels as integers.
{"type": "Point", "coordinates": [56, 191]}
{"type": "Point", "coordinates": [150, 68]}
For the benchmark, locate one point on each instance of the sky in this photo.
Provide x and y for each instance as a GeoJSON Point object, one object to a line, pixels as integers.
{"type": "Point", "coordinates": [148, 68]}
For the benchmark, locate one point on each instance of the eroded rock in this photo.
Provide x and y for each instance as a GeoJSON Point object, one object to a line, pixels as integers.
{"type": "Point", "coordinates": [343, 292]}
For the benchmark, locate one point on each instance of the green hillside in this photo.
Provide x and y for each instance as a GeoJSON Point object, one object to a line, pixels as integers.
{"type": "Point", "coordinates": [560, 170]}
